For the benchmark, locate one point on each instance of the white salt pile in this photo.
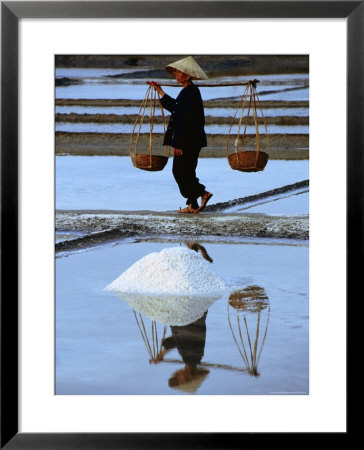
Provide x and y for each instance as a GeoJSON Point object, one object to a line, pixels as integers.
{"type": "Point", "coordinates": [173, 271]}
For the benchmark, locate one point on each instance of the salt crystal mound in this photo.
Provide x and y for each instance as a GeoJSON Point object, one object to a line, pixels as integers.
{"type": "Point", "coordinates": [173, 271]}
{"type": "Point", "coordinates": [175, 286]}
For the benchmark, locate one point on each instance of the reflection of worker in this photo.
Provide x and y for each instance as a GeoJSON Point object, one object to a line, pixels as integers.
{"type": "Point", "coordinates": [190, 343]}
{"type": "Point", "coordinates": [185, 132]}
{"type": "Point", "coordinates": [199, 248]}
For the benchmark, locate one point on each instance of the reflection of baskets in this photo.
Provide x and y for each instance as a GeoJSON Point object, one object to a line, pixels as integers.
{"type": "Point", "coordinates": [253, 299]}
{"type": "Point", "coordinates": [152, 343]}
{"type": "Point", "coordinates": [143, 153]}
{"type": "Point", "coordinates": [238, 156]}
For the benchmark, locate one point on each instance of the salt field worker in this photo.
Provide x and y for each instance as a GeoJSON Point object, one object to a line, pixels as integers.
{"type": "Point", "coordinates": [185, 132]}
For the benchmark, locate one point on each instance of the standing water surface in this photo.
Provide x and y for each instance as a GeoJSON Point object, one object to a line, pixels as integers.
{"type": "Point", "coordinates": [104, 347]}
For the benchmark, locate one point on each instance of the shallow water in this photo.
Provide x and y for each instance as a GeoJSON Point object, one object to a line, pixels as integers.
{"type": "Point", "coordinates": [158, 128]}
{"type": "Point", "coordinates": [215, 112]}
{"type": "Point", "coordinates": [100, 348]}
{"type": "Point", "coordinates": [112, 183]}
{"type": "Point", "coordinates": [295, 204]}
{"type": "Point", "coordinates": [138, 92]}
{"type": "Point", "coordinates": [288, 204]}
{"type": "Point", "coordinates": [91, 72]}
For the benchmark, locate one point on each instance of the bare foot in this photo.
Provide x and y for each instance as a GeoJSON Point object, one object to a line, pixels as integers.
{"type": "Point", "coordinates": [204, 199]}
{"type": "Point", "coordinates": [188, 210]}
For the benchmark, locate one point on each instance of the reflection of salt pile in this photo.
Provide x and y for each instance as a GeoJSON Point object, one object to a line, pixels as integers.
{"type": "Point", "coordinates": [169, 310]}
{"type": "Point", "coordinates": [175, 286]}
{"type": "Point", "coordinates": [172, 271]}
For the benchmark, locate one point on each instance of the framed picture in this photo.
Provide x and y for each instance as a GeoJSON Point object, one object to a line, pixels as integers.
{"type": "Point", "coordinates": [17, 170]}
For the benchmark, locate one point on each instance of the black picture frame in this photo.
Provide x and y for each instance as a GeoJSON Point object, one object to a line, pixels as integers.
{"type": "Point", "coordinates": [11, 12]}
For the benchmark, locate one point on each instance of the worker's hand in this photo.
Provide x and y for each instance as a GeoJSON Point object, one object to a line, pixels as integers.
{"type": "Point", "coordinates": [177, 151]}
{"type": "Point", "coordinates": [157, 87]}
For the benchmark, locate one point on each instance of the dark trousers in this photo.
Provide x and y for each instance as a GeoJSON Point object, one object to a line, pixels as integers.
{"type": "Point", "coordinates": [184, 172]}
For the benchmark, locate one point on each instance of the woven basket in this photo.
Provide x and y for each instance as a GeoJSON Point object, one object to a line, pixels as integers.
{"type": "Point", "coordinates": [152, 163]}
{"type": "Point", "coordinates": [247, 161]}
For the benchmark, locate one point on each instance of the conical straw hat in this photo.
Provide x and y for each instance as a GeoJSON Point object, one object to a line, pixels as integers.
{"type": "Point", "coordinates": [187, 65]}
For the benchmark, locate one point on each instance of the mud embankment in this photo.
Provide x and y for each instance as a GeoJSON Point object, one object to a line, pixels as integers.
{"type": "Point", "coordinates": [103, 226]}
{"type": "Point", "coordinates": [214, 65]}
{"type": "Point", "coordinates": [209, 120]}
{"type": "Point", "coordinates": [149, 224]}
{"type": "Point", "coordinates": [282, 146]}
{"type": "Point", "coordinates": [221, 103]}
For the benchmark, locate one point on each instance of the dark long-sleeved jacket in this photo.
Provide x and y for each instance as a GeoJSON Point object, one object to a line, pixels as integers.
{"type": "Point", "coordinates": [187, 121]}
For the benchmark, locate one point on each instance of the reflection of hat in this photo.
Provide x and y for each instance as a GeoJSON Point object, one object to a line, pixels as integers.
{"type": "Point", "coordinates": [189, 383]}
{"type": "Point", "coordinates": [189, 66]}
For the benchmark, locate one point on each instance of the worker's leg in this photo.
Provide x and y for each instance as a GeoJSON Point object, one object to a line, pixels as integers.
{"type": "Point", "coordinates": [184, 172]}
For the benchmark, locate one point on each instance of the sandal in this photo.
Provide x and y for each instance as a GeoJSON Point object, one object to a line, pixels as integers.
{"type": "Point", "coordinates": [188, 210]}
{"type": "Point", "coordinates": [204, 199]}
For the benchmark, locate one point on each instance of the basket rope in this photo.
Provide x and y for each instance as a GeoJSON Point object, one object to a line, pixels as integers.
{"type": "Point", "coordinates": [250, 103]}
{"type": "Point", "coordinates": [256, 126]}
{"type": "Point", "coordinates": [155, 348]}
{"type": "Point", "coordinates": [250, 354]}
{"type": "Point", "coordinates": [152, 110]}
{"type": "Point", "coordinates": [139, 119]}
{"type": "Point", "coordinates": [264, 123]}
{"type": "Point", "coordinates": [145, 109]}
